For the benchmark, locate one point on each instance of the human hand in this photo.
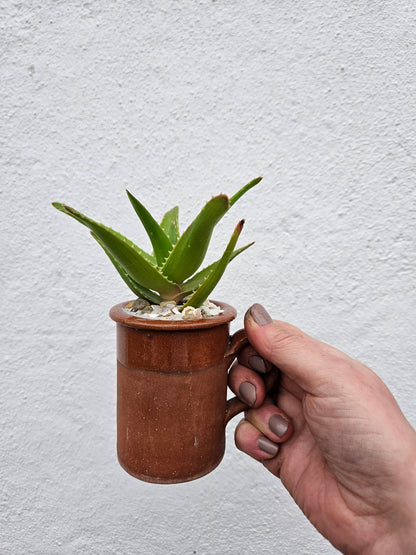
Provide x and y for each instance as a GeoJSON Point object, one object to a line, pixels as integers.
{"type": "Point", "coordinates": [333, 434]}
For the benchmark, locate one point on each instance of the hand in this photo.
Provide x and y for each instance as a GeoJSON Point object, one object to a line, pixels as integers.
{"type": "Point", "coordinates": [333, 434]}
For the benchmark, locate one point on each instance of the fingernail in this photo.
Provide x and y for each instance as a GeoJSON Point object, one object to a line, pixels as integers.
{"type": "Point", "coordinates": [247, 393]}
{"type": "Point", "coordinates": [257, 363]}
{"type": "Point", "coordinates": [267, 446]}
{"type": "Point", "coordinates": [259, 315]}
{"type": "Point", "coordinates": [278, 425]}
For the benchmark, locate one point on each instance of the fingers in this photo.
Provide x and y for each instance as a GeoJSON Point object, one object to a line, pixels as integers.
{"type": "Point", "coordinates": [247, 385]}
{"type": "Point", "coordinates": [251, 358]}
{"type": "Point", "coordinates": [271, 421]}
{"type": "Point", "coordinates": [313, 366]}
{"type": "Point", "coordinates": [266, 425]}
{"type": "Point", "coordinates": [263, 429]}
{"type": "Point", "coordinates": [251, 376]}
{"type": "Point", "coordinates": [252, 442]}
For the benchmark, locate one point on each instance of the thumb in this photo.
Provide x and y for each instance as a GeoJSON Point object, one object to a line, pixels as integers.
{"type": "Point", "coordinates": [313, 365]}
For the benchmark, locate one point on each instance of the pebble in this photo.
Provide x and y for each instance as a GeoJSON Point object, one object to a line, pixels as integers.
{"type": "Point", "coordinates": [168, 310]}
{"type": "Point", "coordinates": [138, 304]}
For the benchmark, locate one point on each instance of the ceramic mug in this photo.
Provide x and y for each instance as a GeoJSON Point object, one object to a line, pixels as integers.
{"type": "Point", "coordinates": [172, 406]}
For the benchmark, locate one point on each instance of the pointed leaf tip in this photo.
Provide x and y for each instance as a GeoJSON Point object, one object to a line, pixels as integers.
{"type": "Point", "coordinates": [160, 241]}
{"type": "Point", "coordinates": [244, 189]}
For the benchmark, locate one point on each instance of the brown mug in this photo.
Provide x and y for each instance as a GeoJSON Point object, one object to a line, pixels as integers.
{"type": "Point", "coordinates": [172, 405]}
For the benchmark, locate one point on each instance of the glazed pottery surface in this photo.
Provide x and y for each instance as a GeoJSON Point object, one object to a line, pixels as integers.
{"type": "Point", "coordinates": [172, 394]}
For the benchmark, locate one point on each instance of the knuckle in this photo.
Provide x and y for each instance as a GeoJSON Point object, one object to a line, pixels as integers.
{"type": "Point", "coordinates": [279, 339]}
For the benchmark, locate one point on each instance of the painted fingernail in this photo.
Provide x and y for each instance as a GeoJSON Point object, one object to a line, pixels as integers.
{"type": "Point", "coordinates": [257, 363]}
{"type": "Point", "coordinates": [278, 425]}
{"type": "Point", "coordinates": [259, 315]}
{"type": "Point", "coordinates": [247, 393]}
{"type": "Point", "coordinates": [267, 446]}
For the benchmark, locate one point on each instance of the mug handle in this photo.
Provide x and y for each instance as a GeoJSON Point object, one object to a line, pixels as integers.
{"type": "Point", "coordinates": [235, 406]}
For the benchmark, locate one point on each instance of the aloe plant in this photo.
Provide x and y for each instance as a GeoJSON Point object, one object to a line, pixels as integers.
{"type": "Point", "coordinates": [170, 272]}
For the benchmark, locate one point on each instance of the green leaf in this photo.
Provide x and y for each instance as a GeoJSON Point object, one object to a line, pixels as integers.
{"type": "Point", "coordinates": [204, 290]}
{"type": "Point", "coordinates": [195, 281]}
{"type": "Point", "coordinates": [170, 224]}
{"type": "Point", "coordinates": [137, 289]}
{"type": "Point", "coordinates": [126, 253]}
{"type": "Point", "coordinates": [189, 252]}
{"type": "Point", "coordinates": [160, 241]}
{"type": "Point", "coordinates": [244, 189]}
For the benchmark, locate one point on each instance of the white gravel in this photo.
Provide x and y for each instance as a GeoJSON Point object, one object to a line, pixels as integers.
{"type": "Point", "coordinates": [169, 310]}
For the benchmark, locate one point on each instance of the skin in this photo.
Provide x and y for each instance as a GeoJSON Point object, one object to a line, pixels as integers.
{"type": "Point", "coordinates": [345, 452]}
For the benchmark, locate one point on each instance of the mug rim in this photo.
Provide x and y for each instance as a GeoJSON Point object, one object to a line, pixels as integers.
{"type": "Point", "coordinates": [119, 315]}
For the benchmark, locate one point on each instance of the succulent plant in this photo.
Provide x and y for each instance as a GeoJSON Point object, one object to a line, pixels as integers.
{"type": "Point", "coordinates": [171, 271]}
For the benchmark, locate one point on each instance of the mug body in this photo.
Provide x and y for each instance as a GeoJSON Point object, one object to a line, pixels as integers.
{"type": "Point", "coordinates": [171, 395]}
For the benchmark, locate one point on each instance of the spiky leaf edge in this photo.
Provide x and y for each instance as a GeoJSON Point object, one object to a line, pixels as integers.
{"type": "Point", "coordinates": [170, 224]}
{"type": "Point", "coordinates": [135, 287]}
{"type": "Point", "coordinates": [127, 254]}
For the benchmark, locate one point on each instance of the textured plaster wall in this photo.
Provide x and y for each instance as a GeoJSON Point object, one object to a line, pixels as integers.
{"type": "Point", "coordinates": [179, 101]}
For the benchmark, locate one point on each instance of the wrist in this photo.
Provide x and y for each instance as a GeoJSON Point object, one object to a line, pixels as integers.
{"type": "Point", "coordinates": [400, 523]}
{"type": "Point", "coordinates": [400, 542]}
{"type": "Point", "coordinates": [403, 535]}
{"type": "Point", "coordinates": [393, 530]}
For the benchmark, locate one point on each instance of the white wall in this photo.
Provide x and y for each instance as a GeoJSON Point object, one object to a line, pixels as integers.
{"type": "Point", "coordinates": [180, 101]}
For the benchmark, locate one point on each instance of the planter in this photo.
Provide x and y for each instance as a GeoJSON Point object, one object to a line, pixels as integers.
{"type": "Point", "coordinates": [172, 404]}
